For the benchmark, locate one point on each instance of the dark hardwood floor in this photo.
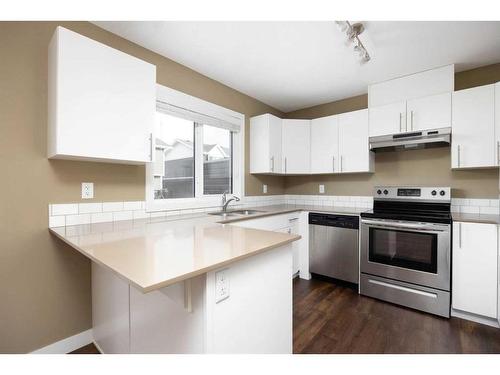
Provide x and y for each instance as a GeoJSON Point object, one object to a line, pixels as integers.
{"type": "Point", "coordinates": [87, 349]}
{"type": "Point", "coordinates": [331, 318]}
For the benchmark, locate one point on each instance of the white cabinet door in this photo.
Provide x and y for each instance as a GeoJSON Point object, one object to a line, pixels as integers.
{"type": "Point", "coordinates": [296, 146]}
{"type": "Point", "coordinates": [388, 119]}
{"type": "Point", "coordinates": [102, 102]}
{"type": "Point", "coordinates": [430, 112]}
{"type": "Point", "coordinates": [354, 153]}
{"type": "Point", "coordinates": [473, 128]}
{"type": "Point", "coordinates": [265, 144]}
{"type": "Point", "coordinates": [474, 285]}
{"type": "Point", "coordinates": [497, 122]}
{"type": "Point", "coordinates": [324, 145]}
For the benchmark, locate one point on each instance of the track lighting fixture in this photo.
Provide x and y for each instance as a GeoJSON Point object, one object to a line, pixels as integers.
{"type": "Point", "coordinates": [352, 33]}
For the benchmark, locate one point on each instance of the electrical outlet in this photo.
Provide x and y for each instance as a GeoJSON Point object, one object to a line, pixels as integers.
{"type": "Point", "coordinates": [264, 189]}
{"type": "Point", "coordinates": [221, 286]}
{"type": "Point", "coordinates": [87, 190]}
{"type": "Point", "coordinates": [322, 189]}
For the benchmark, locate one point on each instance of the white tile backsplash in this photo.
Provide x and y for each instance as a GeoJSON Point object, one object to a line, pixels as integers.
{"type": "Point", "coordinates": [101, 217]}
{"type": "Point", "coordinates": [89, 208]}
{"type": "Point", "coordinates": [86, 213]}
{"type": "Point", "coordinates": [57, 221]}
{"type": "Point", "coordinates": [64, 209]}
{"type": "Point", "coordinates": [123, 215]}
{"type": "Point", "coordinates": [77, 219]}
{"type": "Point", "coordinates": [112, 206]}
{"type": "Point", "coordinates": [138, 205]}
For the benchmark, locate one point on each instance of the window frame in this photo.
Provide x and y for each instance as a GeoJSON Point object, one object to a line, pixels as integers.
{"type": "Point", "coordinates": [200, 200]}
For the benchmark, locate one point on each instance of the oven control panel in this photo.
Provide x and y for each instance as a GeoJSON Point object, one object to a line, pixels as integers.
{"type": "Point", "coordinates": [412, 193]}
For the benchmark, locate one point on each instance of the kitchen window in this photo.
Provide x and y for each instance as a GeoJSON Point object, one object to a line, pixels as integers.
{"type": "Point", "coordinates": [198, 153]}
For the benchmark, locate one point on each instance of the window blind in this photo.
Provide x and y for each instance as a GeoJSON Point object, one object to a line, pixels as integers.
{"type": "Point", "coordinates": [227, 122]}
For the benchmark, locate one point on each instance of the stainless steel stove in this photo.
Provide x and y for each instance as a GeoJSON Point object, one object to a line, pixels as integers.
{"type": "Point", "coordinates": [405, 247]}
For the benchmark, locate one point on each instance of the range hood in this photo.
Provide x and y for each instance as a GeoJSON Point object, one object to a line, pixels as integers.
{"type": "Point", "coordinates": [411, 141]}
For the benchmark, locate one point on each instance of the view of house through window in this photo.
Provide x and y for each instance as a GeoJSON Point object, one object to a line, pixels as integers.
{"type": "Point", "coordinates": [174, 159]}
{"type": "Point", "coordinates": [217, 166]}
{"type": "Point", "coordinates": [177, 152]}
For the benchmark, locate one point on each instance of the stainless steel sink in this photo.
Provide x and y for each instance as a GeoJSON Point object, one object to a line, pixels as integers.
{"type": "Point", "coordinates": [235, 213]}
{"type": "Point", "coordinates": [246, 212]}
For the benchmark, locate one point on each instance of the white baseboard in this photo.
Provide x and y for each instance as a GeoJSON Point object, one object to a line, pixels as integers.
{"type": "Point", "coordinates": [68, 344]}
{"type": "Point", "coordinates": [98, 347]}
{"type": "Point", "coordinates": [475, 318]}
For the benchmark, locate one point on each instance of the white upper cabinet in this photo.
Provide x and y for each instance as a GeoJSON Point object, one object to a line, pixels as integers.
{"type": "Point", "coordinates": [415, 102]}
{"type": "Point", "coordinates": [296, 146]}
{"type": "Point", "coordinates": [473, 129]}
{"type": "Point", "coordinates": [474, 284]}
{"type": "Point", "coordinates": [325, 145]}
{"type": "Point", "coordinates": [388, 119]}
{"type": "Point", "coordinates": [354, 152]}
{"type": "Point", "coordinates": [265, 144]}
{"type": "Point", "coordinates": [497, 126]}
{"type": "Point", "coordinates": [102, 102]}
{"type": "Point", "coordinates": [419, 85]}
{"type": "Point", "coordinates": [430, 112]}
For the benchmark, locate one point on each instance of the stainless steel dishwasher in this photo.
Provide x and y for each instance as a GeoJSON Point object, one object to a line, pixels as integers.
{"type": "Point", "coordinates": [334, 246]}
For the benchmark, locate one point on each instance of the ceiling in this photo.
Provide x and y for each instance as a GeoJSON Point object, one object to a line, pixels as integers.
{"type": "Point", "coordinates": [293, 65]}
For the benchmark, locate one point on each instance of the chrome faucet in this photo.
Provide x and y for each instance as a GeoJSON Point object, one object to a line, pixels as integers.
{"type": "Point", "coordinates": [225, 201]}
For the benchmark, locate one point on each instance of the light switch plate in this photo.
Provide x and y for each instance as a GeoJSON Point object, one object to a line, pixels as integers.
{"type": "Point", "coordinates": [221, 286]}
{"type": "Point", "coordinates": [322, 189]}
{"type": "Point", "coordinates": [87, 190]}
{"type": "Point", "coordinates": [264, 189]}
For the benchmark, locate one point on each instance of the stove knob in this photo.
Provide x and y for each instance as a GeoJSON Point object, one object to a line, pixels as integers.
{"type": "Point", "coordinates": [386, 192]}
{"type": "Point", "coordinates": [379, 191]}
{"type": "Point", "coordinates": [434, 192]}
{"type": "Point", "coordinates": [442, 192]}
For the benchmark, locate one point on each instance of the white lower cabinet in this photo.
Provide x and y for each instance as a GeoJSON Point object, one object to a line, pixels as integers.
{"type": "Point", "coordinates": [475, 268]}
{"type": "Point", "coordinates": [286, 223]}
{"type": "Point", "coordinates": [185, 317]}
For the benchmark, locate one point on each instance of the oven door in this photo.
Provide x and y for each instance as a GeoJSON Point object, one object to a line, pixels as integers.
{"type": "Point", "coordinates": [414, 252]}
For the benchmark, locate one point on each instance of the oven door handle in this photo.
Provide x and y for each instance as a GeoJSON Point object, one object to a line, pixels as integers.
{"type": "Point", "coordinates": [419, 227]}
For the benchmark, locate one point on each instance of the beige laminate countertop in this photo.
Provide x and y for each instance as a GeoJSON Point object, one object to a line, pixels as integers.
{"type": "Point", "coordinates": [475, 218]}
{"type": "Point", "coordinates": [154, 253]}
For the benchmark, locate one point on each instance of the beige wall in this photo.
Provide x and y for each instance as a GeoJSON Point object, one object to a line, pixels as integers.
{"type": "Point", "coordinates": [419, 167]}
{"type": "Point", "coordinates": [45, 285]}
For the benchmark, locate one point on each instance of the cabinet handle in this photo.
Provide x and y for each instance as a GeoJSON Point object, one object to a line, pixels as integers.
{"type": "Point", "coordinates": [333, 163]}
{"type": "Point", "coordinates": [341, 158]}
{"type": "Point", "coordinates": [460, 235]}
{"type": "Point", "coordinates": [498, 152]}
{"type": "Point", "coordinates": [293, 219]}
{"type": "Point", "coordinates": [285, 164]}
{"type": "Point", "coordinates": [458, 150]}
{"type": "Point", "coordinates": [151, 146]}
{"type": "Point", "coordinates": [272, 163]}
{"type": "Point", "coordinates": [400, 122]}
{"type": "Point", "coordinates": [411, 118]}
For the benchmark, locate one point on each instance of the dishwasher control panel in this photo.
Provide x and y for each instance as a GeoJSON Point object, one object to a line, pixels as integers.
{"type": "Point", "coordinates": [334, 220]}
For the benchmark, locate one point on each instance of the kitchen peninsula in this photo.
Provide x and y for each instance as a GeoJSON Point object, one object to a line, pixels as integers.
{"type": "Point", "coordinates": [191, 285]}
